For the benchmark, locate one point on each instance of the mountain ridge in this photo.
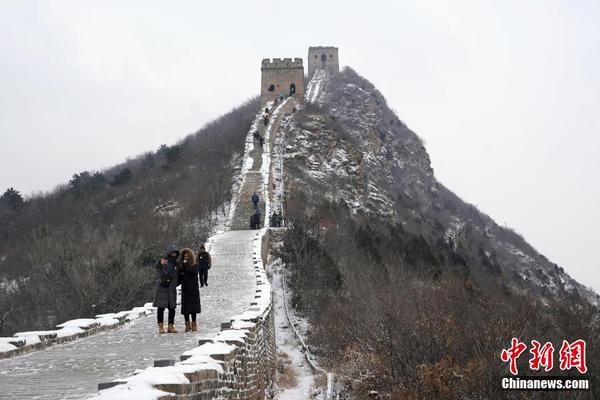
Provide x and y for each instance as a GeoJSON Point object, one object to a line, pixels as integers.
{"type": "Point", "coordinates": [392, 178]}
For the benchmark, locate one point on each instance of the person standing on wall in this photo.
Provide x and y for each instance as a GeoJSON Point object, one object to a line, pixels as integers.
{"type": "Point", "coordinates": [190, 293]}
{"type": "Point", "coordinates": [255, 200]}
{"type": "Point", "coordinates": [167, 280]}
{"type": "Point", "coordinates": [204, 264]}
{"type": "Point", "coordinates": [257, 217]}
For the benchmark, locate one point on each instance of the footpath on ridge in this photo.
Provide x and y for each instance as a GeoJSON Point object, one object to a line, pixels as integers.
{"type": "Point", "coordinates": [72, 370]}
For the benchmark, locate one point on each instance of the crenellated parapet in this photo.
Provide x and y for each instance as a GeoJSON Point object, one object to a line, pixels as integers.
{"type": "Point", "coordinates": [283, 63]}
{"type": "Point", "coordinates": [281, 78]}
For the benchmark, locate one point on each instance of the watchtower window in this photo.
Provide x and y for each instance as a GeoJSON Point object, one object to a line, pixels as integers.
{"type": "Point", "coordinates": [292, 89]}
{"type": "Point", "coordinates": [316, 56]}
{"type": "Point", "coordinates": [331, 56]}
{"type": "Point", "coordinates": [272, 88]}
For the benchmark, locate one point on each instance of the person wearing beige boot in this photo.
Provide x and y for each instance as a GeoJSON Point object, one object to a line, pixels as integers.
{"type": "Point", "coordinates": [190, 292]}
{"type": "Point", "coordinates": [167, 280]}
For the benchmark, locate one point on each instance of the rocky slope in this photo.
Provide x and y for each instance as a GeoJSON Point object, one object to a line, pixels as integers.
{"type": "Point", "coordinates": [350, 147]}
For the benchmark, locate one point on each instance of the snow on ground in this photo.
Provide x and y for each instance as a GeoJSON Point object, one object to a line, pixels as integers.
{"type": "Point", "coordinates": [7, 347]}
{"type": "Point", "coordinates": [278, 155]}
{"type": "Point", "coordinates": [83, 323]}
{"type": "Point", "coordinates": [314, 86]}
{"type": "Point", "coordinates": [288, 344]}
{"type": "Point", "coordinates": [302, 384]}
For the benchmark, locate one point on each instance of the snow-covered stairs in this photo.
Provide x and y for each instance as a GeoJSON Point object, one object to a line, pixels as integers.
{"type": "Point", "coordinates": [253, 182]}
{"type": "Point", "coordinates": [256, 175]}
{"type": "Point", "coordinates": [313, 89]}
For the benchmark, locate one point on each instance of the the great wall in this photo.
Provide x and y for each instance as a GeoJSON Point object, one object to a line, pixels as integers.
{"type": "Point", "coordinates": [235, 356]}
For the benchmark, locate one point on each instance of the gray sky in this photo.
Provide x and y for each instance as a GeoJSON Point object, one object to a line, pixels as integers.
{"type": "Point", "coordinates": [506, 94]}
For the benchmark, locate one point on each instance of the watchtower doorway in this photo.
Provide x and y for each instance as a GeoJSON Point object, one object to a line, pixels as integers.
{"type": "Point", "coordinates": [292, 89]}
{"type": "Point", "coordinates": [323, 60]}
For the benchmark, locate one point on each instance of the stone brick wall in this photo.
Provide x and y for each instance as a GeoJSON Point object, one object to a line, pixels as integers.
{"type": "Point", "coordinates": [323, 57]}
{"type": "Point", "coordinates": [278, 76]}
{"type": "Point", "coordinates": [26, 342]}
{"type": "Point", "coordinates": [247, 370]}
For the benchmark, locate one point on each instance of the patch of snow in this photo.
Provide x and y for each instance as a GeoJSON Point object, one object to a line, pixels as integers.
{"type": "Point", "coordinates": [69, 331]}
{"type": "Point", "coordinates": [132, 391]}
{"type": "Point", "coordinates": [6, 347]}
{"type": "Point", "coordinates": [107, 321]}
{"type": "Point", "coordinates": [210, 348]}
{"type": "Point", "coordinates": [83, 323]}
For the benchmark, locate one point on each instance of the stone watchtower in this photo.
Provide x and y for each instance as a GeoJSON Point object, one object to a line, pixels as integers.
{"type": "Point", "coordinates": [325, 57]}
{"type": "Point", "coordinates": [281, 77]}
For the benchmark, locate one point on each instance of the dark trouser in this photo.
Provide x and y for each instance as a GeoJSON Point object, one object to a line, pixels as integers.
{"type": "Point", "coordinates": [160, 314]}
{"type": "Point", "coordinates": [203, 277]}
{"type": "Point", "coordinates": [255, 204]}
{"type": "Point", "coordinates": [187, 317]}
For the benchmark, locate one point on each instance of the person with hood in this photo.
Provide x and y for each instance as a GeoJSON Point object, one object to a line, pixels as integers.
{"type": "Point", "coordinates": [255, 200]}
{"type": "Point", "coordinates": [190, 293]}
{"type": "Point", "coordinates": [204, 264]}
{"type": "Point", "coordinates": [257, 217]}
{"type": "Point", "coordinates": [167, 271]}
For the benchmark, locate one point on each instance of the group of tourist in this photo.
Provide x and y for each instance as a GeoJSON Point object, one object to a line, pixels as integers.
{"type": "Point", "coordinates": [276, 220]}
{"type": "Point", "coordinates": [255, 218]}
{"type": "Point", "coordinates": [183, 268]}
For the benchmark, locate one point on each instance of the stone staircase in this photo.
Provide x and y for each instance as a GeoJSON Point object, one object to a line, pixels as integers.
{"type": "Point", "coordinates": [253, 182]}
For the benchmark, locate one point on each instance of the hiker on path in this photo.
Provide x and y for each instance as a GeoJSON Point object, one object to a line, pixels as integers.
{"type": "Point", "coordinates": [276, 220]}
{"type": "Point", "coordinates": [257, 217]}
{"type": "Point", "coordinates": [204, 264]}
{"type": "Point", "coordinates": [255, 200]}
{"type": "Point", "coordinates": [167, 271]}
{"type": "Point", "coordinates": [190, 293]}
{"type": "Point", "coordinates": [255, 221]}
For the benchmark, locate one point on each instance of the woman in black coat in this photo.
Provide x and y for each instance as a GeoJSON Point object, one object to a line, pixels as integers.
{"type": "Point", "coordinates": [167, 274]}
{"type": "Point", "coordinates": [190, 292]}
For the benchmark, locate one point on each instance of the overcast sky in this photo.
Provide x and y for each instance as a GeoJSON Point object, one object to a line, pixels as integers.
{"type": "Point", "coordinates": [505, 94]}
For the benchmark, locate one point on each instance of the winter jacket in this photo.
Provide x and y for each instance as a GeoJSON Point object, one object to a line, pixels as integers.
{"type": "Point", "coordinates": [167, 280]}
{"type": "Point", "coordinates": [204, 260]}
{"type": "Point", "coordinates": [255, 221]}
{"type": "Point", "coordinates": [190, 291]}
{"type": "Point", "coordinates": [255, 198]}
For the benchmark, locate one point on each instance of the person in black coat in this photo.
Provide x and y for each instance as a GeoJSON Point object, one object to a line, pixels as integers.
{"type": "Point", "coordinates": [190, 292]}
{"type": "Point", "coordinates": [204, 264]}
{"type": "Point", "coordinates": [167, 280]}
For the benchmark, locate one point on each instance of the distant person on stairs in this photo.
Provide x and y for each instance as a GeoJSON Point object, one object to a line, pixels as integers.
{"type": "Point", "coordinates": [167, 271]}
{"type": "Point", "coordinates": [255, 200]}
{"type": "Point", "coordinates": [190, 293]}
{"type": "Point", "coordinates": [257, 217]}
{"type": "Point", "coordinates": [204, 263]}
{"type": "Point", "coordinates": [276, 220]}
{"type": "Point", "coordinates": [255, 221]}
